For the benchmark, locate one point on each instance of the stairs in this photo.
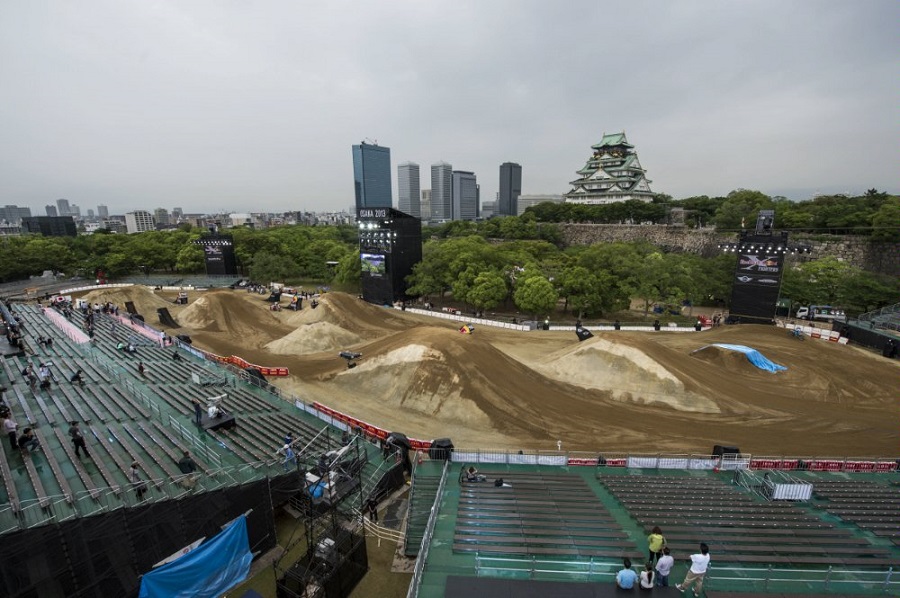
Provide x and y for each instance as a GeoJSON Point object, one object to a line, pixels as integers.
{"type": "Point", "coordinates": [425, 482]}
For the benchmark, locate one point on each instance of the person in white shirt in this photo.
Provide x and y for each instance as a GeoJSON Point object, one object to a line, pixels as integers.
{"type": "Point", "coordinates": [663, 568]}
{"type": "Point", "coordinates": [695, 575]}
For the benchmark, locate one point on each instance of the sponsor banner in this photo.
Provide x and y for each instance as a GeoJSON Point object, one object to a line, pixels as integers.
{"type": "Point", "coordinates": [244, 364]}
{"type": "Point", "coordinates": [370, 430]}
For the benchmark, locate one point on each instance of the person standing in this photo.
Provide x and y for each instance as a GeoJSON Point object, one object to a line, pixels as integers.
{"type": "Point", "coordinates": [372, 508]}
{"type": "Point", "coordinates": [655, 541]}
{"type": "Point", "coordinates": [141, 368]}
{"type": "Point", "coordinates": [187, 466]}
{"type": "Point", "coordinates": [663, 568]}
{"type": "Point", "coordinates": [289, 456]}
{"type": "Point", "coordinates": [77, 439]}
{"type": "Point", "coordinates": [695, 575]}
{"type": "Point", "coordinates": [626, 577]}
{"type": "Point", "coordinates": [140, 486]}
{"type": "Point", "coordinates": [10, 428]}
{"type": "Point", "coordinates": [198, 412]}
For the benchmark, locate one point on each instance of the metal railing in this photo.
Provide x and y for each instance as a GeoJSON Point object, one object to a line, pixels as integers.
{"type": "Point", "coordinates": [419, 569]}
{"type": "Point", "coordinates": [592, 569]}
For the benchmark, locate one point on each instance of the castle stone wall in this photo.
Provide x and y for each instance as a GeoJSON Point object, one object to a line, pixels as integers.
{"type": "Point", "coordinates": [861, 252]}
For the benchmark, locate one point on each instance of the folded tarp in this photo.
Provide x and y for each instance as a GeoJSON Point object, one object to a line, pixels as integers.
{"type": "Point", "coordinates": [754, 356]}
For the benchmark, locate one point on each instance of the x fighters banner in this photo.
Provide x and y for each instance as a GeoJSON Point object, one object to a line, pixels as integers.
{"type": "Point", "coordinates": [755, 286]}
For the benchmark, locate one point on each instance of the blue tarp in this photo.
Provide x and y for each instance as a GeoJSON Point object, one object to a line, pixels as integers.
{"type": "Point", "coordinates": [755, 357]}
{"type": "Point", "coordinates": [206, 572]}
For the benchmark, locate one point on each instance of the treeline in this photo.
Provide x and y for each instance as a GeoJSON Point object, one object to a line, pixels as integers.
{"type": "Point", "coordinates": [537, 276]}
{"type": "Point", "coordinates": [875, 214]}
{"type": "Point", "coordinates": [282, 253]}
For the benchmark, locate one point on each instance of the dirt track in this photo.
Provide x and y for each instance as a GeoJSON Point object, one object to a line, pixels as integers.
{"type": "Point", "coordinates": [497, 388]}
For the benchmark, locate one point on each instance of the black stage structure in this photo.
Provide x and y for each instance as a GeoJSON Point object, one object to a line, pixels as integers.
{"type": "Point", "coordinates": [218, 251]}
{"type": "Point", "coordinates": [758, 271]}
{"type": "Point", "coordinates": [105, 554]}
{"type": "Point", "coordinates": [390, 244]}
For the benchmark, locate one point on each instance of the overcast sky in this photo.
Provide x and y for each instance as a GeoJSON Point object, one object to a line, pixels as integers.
{"type": "Point", "coordinates": [253, 105]}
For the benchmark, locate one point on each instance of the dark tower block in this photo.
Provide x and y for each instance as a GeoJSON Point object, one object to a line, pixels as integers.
{"type": "Point", "coordinates": [390, 244]}
{"type": "Point", "coordinates": [218, 251]}
{"type": "Point", "coordinates": [757, 273]}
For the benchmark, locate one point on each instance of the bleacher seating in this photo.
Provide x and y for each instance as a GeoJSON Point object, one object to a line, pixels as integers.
{"type": "Point", "coordinates": [128, 417]}
{"type": "Point", "coordinates": [534, 514]}
{"type": "Point", "coordinates": [423, 490]}
{"type": "Point", "coordinates": [738, 526]}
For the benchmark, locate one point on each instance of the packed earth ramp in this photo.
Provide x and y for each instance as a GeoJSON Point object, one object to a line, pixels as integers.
{"type": "Point", "coordinates": [622, 390]}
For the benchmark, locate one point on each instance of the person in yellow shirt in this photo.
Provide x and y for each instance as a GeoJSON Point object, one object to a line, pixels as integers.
{"type": "Point", "coordinates": [656, 541]}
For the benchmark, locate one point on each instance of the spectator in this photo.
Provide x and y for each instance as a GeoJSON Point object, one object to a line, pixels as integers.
{"type": "Point", "coordinates": [141, 368]}
{"type": "Point", "coordinates": [472, 475]}
{"type": "Point", "coordinates": [27, 441]}
{"type": "Point", "coordinates": [187, 466]}
{"type": "Point", "coordinates": [345, 438]}
{"type": "Point", "coordinates": [663, 568]}
{"type": "Point", "coordinates": [77, 439]}
{"type": "Point", "coordinates": [77, 378]}
{"type": "Point", "coordinates": [290, 458]}
{"type": "Point", "coordinates": [626, 577]}
{"type": "Point", "coordinates": [372, 508]}
{"type": "Point", "coordinates": [10, 428]}
{"type": "Point", "coordinates": [198, 412]}
{"type": "Point", "coordinates": [695, 575]}
{"type": "Point", "coordinates": [656, 541]}
{"type": "Point", "coordinates": [647, 577]}
{"type": "Point", "coordinates": [139, 485]}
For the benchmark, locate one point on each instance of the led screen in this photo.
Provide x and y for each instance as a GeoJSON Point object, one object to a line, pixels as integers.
{"type": "Point", "coordinates": [372, 263]}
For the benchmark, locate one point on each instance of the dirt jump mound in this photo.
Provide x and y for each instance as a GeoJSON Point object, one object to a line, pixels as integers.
{"type": "Point", "coordinates": [233, 318]}
{"type": "Point", "coordinates": [316, 337]}
{"type": "Point", "coordinates": [144, 299]}
{"type": "Point", "coordinates": [728, 361]}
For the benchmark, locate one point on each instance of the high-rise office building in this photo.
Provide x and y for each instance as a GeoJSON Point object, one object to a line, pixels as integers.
{"type": "Point", "coordinates": [50, 226]}
{"type": "Point", "coordinates": [161, 215]}
{"type": "Point", "coordinates": [102, 211]}
{"type": "Point", "coordinates": [441, 191]}
{"type": "Point", "coordinates": [425, 206]}
{"type": "Point", "coordinates": [90, 213]}
{"type": "Point", "coordinates": [75, 210]}
{"type": "Point", "coordinates": [372, 176]}
{"type": "Point", "coordinates": [510, 188]}
{"type": "Point", "coordinates": [177, 214]}
{"type": "Point", "coordinates": [465, 195]}
{"type": "Point", "coordinates": [51, 211]}
{"type": "Point", "coordinates": [12, 214]}
{"type": "Point", "coordinates": [139, 221]}
{"type": "Point", "coordinates": [62, 207]}
{"type": "Point", "coordinates": [408, 189]}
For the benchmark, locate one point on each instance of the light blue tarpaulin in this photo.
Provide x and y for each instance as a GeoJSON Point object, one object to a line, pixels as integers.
{"type": "Point", "coordinates": [206, 572]}
{"type": "Point", "coordinates": [755, 357]}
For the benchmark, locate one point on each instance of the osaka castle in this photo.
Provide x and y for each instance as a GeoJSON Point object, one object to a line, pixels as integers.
{"type": "Point", "coordinates": [612, 173]}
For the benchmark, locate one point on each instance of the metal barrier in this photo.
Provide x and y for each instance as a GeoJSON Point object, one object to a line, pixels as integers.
{"type": "Point", "coordinates": [419, 569]}
{"type": "Point", "coordinates": [534, 567]}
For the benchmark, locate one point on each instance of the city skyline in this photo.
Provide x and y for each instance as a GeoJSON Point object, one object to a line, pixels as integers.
{"type": "Point", "coordinates": [136, 105]}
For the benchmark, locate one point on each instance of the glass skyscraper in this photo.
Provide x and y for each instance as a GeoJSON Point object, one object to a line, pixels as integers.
{"type": "Point", "coordinates": [408, 189]}
{"type": "Point", "coordinates": [441, 191]}
{"type": "Point", "coordinates": [510, 189]}
{"type": "Point", "coordinates": [465, 195]}
{"type": "Point", "coordinates": [372, 175]}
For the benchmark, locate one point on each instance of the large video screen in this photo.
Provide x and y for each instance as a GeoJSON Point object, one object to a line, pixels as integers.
{"type": "Point", "coordinates": [372, 264]}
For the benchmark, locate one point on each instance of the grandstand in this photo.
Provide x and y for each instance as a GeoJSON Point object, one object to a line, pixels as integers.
{"type": "Point", "coordinates": [561, 523]}
{"type": "Point", "coordinates": [50, 497]}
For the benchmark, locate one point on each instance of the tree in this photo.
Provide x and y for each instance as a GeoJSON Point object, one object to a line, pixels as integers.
{"type": "Point", "coordinates": [740, 208]}
{"type": "Point", "coordinates": [886, 221]}
{"type": "Point", "coordinates": [190, 259]}
{"type": "Point", "coordinates": [488, 290]}
{"type": "Point", "coordinates": [535, 295]}
{"type": "Point", "coordinates": [269, 267]}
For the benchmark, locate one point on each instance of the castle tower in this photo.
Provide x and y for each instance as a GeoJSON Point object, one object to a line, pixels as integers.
{"type": "Point", "coordinates": [612, 173]}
